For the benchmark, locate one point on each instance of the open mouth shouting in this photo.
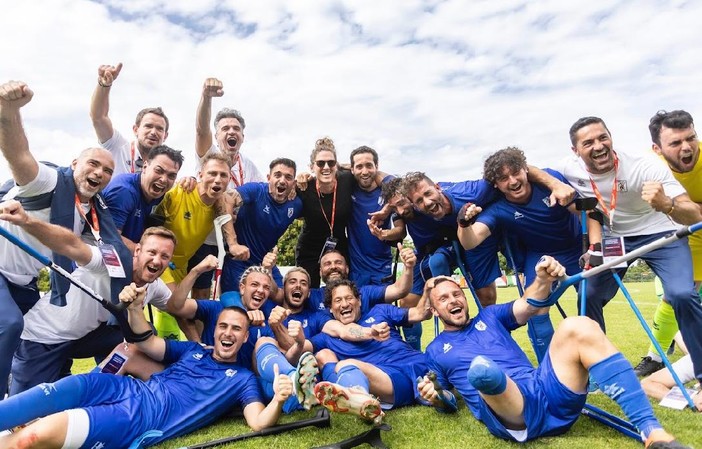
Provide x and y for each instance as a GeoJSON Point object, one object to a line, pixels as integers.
{"type": "Point", "coordinates": [226, 344]}
{"type": "Point", "coordinates": [231, 142]}
{"type": "Point", "coordinates": [94, 183]}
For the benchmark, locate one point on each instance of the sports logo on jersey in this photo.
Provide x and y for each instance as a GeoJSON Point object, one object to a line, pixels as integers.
{"type": "Point", "coordinates": [98, 445]}
{"type": "Point", "coordinates": [230, 372]}
{"type": "Point", "coordinates": [304, 322]}
{"type": "Point", "coordinates": [353, 198]}
{"type": "Point", "coordinates": [621, 185]}
{"type": "Point", "coordinates": [291, 211]}
{"type": "Point", "coordinates": [321, 306]}
{"type": "Point", "coordinates": [370, 320]}
{"type": "Point", "coordinates": [447, 347]}
{"type": "Point", "coordinates": [518, 215]}
{"type": "Point", "coordinates": [101, 202]}
{"type": "Point", "coordinates": [267, 209]}
{"type": "Point", "coordinates": [47, 388]}
{"type": "Point", "coordinates": [547, 201]}
{"type": "Point", "coordinates": [137, 213]}
{"type": "Point", "coordinates": [198, 356]}
{"type": "Point", "coordinates": [581, 182]}
{"type": "Point", "coordinates": [188, 215]}
{"type": "Point", "coordinates": [480, 326]}
{"type": "Point", "coordinates": [380, 201]}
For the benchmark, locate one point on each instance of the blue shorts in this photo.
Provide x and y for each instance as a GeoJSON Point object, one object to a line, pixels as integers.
{"type": "Point", "coordinates": [205, 279]}
{"type": "Point", "coordinates": [404, 383]}
{"type": "Point", "coordinates": [550, 408]}
{"type": "Point", "coordinates": [482, 263]}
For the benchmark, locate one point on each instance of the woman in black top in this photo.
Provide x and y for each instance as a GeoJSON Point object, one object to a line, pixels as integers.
{"type": "Point", "coordinates": [326, 209]}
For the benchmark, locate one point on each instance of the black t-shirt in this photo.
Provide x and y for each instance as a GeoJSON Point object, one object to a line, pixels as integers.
{"type": "Point", "coordinates": [315, 229]}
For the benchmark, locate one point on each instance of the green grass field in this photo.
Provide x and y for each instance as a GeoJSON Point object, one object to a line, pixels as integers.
{"type": "Point", "coordinates": [415, 427]}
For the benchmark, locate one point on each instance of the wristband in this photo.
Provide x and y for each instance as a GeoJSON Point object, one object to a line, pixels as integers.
{"type": "Point", "coordinates": [132, 337]}
{"type": "Point", "coordinates": [100, 83]}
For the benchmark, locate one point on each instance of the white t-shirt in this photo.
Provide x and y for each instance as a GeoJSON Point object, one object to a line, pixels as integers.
{"type": "Point", "coordinates": [632, 216]}
{"type": "Point", "coordinates": [121, 150]}
{"type": "Point", "coordinates": [49, 324]}
{"type": "Point", "coordinates": [251, 174]}
{"type": "Point", "coordinates": [15, 264]}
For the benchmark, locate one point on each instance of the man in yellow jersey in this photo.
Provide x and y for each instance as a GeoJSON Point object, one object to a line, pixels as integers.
{"type": "Point", "coordinates": [675, 140]}
{"type": "Point", "coordinates": [190, 215]}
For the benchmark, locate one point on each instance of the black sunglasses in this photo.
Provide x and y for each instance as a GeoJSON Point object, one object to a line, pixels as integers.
{"type": "Point", "coordinates": [321, 164]}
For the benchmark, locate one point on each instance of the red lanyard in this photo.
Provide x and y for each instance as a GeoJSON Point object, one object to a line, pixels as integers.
{"type": "Point", "coordinates": [95, 226]}
{"type": "Point", "coordinates": [133, 152]}
{"type": "Point", "coordinates": [609, 212]}
{"type": "Point", "coordinates": [333, 212]}
{"type": "Point", "coordinates": [239, 182]}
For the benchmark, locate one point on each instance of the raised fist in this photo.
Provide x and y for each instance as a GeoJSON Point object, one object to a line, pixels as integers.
{"type": "Point", "coordinates": [212, 88]}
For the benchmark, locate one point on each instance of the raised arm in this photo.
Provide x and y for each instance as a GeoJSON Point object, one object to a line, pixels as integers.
{"type": "Point", "coordinates": [180, 305]}
{"type": "Point", "coordinates": [403, 284]}
{"type": "Point", "coordinates": [356, 332]}
{"type": "Point", "coordinates": [57, 238]}
{"type": "Point", "coordinates": [548, 270]}
{"type": "Point", "coordinates": [100, 102]}
{"type": "Point", "coordinates": [153, 346]}
{"type": "Point", "coordinates": [470, 232]}
{"type": "Point", "coordinates": [203, 134]}
{"type": "Point", "coordinates": [13, 140]}
{"type": "Point", "coordinates": [680, 208]}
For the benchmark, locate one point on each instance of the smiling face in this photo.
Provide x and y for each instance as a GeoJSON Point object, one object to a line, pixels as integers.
{"type": "Point", "coordinates": [214, 179]}
{"type": "Point", "coordinates": [255, 289]}
{"type": "Point", "coordinates": [229, 136]}
{"type": "Point", "coordinates": [151, 258]}
{"type": "Point", "coordinates": [593, 145]}
{"type": "Point", "coordinates": [448, 302]}
{"type": "Point", "coordinates": [401, 206]}
{"type": "Point", "coordinates": [514, 185]}
{"type": "Point", "coordinates": [281, 181]}
{"type": "Point", "coordinates": [230, 334]}
{"type": "Point", "coordinates": [345, 306]}
{"type": "Point", "coordinates": [150, 133]}
{"type": "Point", "coordinates": [92, 171]}
{"type": "Point", "coordinates": [679, 147]}
{"type": "Point", "coordinates": [427, 198]}
{"type": "Point", "coordinates": [333, 266]}
{"type": "Point", "coordinates": [364, 170]}
{"type": "Point", "coordinates": [297, 289]}
{"type": "Point", "coordinates": [158, 176]}
{"type": "Point", "coordinates": [324, 174]}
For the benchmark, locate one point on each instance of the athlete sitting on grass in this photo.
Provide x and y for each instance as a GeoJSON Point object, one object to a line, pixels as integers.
{"type": "Point", "coordinates": [513, 399]}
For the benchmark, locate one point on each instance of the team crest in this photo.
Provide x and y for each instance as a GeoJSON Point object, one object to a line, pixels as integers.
{"type": "Point", "coordinates": [621, 185]}
{"type": "Point", "coordinates": [447, 347]}
{"type": "Point", "coordinates": [581, 182]}
{"type": "Point", "coordinates": [304, 323]}
{"type": "Point", "coordinates": [188, 215]}
{"type": "Point", "coordinates": [291, 211]}
{"type": "Point", "coordinates": [480, 326]}
{"type": "Point", "coordinates": [198, 356]}
{"type": "Point", "coordinates": [370, 320]}
{"type": "Point", "coordinates": [547, 201]}
{"type": "Point", "coordinates": [230, 372]}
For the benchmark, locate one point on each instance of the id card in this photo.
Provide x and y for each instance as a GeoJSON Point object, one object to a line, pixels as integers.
{"type": "Point", "coordinates": [111, 260]}
{"type": "Point", "coordinates": [613, 248]}
{"type": "Point", "coordinates": [329, 245]}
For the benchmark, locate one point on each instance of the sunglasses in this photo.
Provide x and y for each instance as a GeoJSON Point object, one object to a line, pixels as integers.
{"type": "Point", "coordinates": [321, 164]}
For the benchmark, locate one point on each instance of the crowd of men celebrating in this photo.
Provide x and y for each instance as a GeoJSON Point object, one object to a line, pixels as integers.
{"type": "Point", "coordinates": [339, 329]}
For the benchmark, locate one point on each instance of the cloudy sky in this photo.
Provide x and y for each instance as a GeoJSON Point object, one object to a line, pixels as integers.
{"type": "Point", "coordinates": [432, 85]}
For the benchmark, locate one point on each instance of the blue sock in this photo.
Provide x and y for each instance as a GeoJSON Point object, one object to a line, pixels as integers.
{"type": "Point", "coordinates": [540, 331]}
{"type": "Point", "coordinates": [618, 381]}
{"type": "Point", "coordinates": [42, 400]}
{"type": "Point", "coordinates": [329, 372]}
{"type": "Point", "coordinates": [352, 376]}
{"type": "Point", "coordinates": [268, 355]}
{"type": "Point", "coordinates": [413, 335]}
{"type": "Point", "coordinates": [486, 376]}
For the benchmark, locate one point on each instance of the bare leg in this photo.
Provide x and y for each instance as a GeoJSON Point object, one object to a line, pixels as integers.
{"type": "Point", "coordinates": [508, 406]}
{"type": "Point", "coordinates": [487, 295]}
{"type": "Point", "coordinates": [380, 383]}
{"type": "Point", "coordinates": [46, 433]}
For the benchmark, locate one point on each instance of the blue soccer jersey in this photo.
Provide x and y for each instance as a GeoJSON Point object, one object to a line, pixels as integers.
{"type": "Point", "coordinates": [539, 228]}
{"type": "Point", "coordinates": [370, 258]}
{"type": "Point", "coordinates": [371, 295]}
{"type": "Point", "coordinates": [128, 207]}
{"type": "Point", "coordinates": [550, 408]}
{"type": "Point", "coordinates": [312, 321]}
{"type": "Point", "coordinates": [190, 393]}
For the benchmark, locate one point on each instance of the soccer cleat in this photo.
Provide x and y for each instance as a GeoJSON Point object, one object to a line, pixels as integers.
{"type": "Point", "coordinates": [661, 439]}
{"type": "Point", "coordinates": [306, 378]}
{"type": "Point", "coordinates": [647, 366]}
{"type": "Point", "coordinates": [337, 398]}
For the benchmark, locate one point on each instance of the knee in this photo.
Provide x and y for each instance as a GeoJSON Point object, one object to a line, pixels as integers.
{"type": "Point", "coordinates": [487, 295]}
{"type": "Point", "coordinates": [580, 329]}
{"type": "Point", "coordinates": [325, 356]}
{"type": "Point", "coordinates": [263, 340]}
{"type": "Point", "coordinates": [343, 363]}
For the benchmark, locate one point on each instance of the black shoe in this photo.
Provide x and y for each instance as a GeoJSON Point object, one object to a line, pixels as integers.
{"type": "Point", "coordinates": [647, 366]}
{"type": "Point", "coordinates": [667, 445]}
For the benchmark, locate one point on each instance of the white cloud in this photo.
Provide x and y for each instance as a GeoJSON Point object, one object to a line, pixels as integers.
{"type": "Point", "coordinates": [432, 85]}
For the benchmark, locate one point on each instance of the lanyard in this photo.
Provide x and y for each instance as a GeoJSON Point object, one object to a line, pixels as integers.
{"type": "Point", "coordinates": [609, 212]}
{"type": "Point", "coordinates": [95, 226]}
{"type": "Point", "coordinates": [333, 212]}
{"type": "Point", "coordinates": [133, 153]}
{"type": "Point", "coordinates": [240, 181]}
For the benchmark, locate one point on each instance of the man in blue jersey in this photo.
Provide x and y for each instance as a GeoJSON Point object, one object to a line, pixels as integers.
{"type": "Point", "coordinates": [370, 258]}
{"type": "Point", "coordinates": [503, 390]}
{"type": "Point", "coordinates": [264, 214]}
{"type": "Point", "coordinates": [101, 410]}
{"type": "Point", "coordinates": [386, 369]}
{"type": "Point", "coordinates": [333, 266]}
{"type": "Point", "coordinates": [524, 213]}
{"type": "Point", "coordinates": [131, 197]}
